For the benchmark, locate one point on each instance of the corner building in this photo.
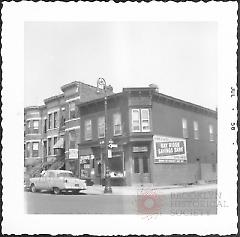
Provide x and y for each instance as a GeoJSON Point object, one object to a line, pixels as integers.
{"type": "Point", "coordinates": [160, 140]}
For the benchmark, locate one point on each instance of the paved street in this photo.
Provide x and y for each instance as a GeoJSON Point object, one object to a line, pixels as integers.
{"type": "Point", "coordinates": [142, 202]}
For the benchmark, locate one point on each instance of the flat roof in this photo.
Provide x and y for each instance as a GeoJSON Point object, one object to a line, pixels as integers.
{"type": "Point", "coordinates": [155, 93]}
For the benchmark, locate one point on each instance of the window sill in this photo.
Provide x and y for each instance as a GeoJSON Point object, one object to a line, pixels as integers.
{"type": "Point", "coordinates": [73, 119]}
{"type": "Point", "coordinates": [51, 129]}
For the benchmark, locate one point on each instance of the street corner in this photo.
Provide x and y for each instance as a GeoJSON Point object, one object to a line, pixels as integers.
{"type": "Point", "coordinates": [148, 202]}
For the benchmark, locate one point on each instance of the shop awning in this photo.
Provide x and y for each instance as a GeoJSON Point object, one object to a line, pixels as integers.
{"type": "Point", "coordinates": [85, 151]}
{"type": "Point", "coordinates": [59, 143]}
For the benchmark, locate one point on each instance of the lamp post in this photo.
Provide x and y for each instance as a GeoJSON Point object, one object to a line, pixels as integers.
{"type": "Point", "coordinates": [101, 84]}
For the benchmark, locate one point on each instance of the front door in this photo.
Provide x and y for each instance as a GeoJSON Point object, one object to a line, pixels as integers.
{"type": "Point", "coordinates": [141, 173]}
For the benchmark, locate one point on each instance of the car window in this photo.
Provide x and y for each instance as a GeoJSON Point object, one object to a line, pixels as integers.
{"type": "Point", "coordinates": [65, 174]}
{"type": "Point", "coordinates": [51, 174]}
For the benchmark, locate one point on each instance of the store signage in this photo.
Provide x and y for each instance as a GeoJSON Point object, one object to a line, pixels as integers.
{"type": "Point", "coordinates": [85, 159]}
{"type": "Point", "coordinates": [169, 149]}
{"type": "Point", "coordinates": [73, 153]}
{"type": "Point", "coordinates": [140, 148]}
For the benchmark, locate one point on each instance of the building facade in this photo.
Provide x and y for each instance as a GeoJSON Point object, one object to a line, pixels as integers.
{"type": "Point", "coordinates": [52, 130]}
{"type": "Point", "coordinates": [157, 139]}
{"type": "Point", "coordinates": [160, 140]}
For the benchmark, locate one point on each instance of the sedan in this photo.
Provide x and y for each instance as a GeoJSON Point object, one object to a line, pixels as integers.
{"type": "Point", "coordinates": [57, 181]}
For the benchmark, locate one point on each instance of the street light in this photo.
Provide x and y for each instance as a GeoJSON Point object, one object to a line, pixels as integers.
{"type": "Point", "coordinates": [101, 84]}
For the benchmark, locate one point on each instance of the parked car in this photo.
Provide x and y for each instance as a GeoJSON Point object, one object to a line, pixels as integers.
{"type": "Point", "coordinates": [57, 181]}
{"type": "Point", "coordinates": [26, 181]}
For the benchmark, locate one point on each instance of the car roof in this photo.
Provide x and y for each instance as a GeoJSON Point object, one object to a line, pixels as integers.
{"type": "Point", "coordinates": [60, 171]}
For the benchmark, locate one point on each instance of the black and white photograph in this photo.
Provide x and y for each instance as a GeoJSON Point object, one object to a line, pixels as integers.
{"type": "Point", "coordinates": [123, 117]}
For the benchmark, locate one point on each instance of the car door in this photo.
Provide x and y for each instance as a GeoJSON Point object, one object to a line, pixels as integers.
{"type": "Point", "coordinates": [40, 182]}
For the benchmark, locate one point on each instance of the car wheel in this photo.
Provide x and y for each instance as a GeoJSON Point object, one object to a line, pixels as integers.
{"type": "Point", "coordinates": [33, 188]}
{"type": "Point", "coordinates": [56, 190]}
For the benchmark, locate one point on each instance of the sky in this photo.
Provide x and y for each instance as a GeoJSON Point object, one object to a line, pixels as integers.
{"type": "Point", "coordinates": [179, 57]}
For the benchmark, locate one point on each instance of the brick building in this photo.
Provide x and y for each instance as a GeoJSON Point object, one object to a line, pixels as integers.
{"type": "Point", "coordinates": [52, 130]}
{"type": "Point", "coordinates": [160, 139]}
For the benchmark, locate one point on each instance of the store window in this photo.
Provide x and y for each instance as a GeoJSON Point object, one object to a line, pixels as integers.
{"type": "Point", "coordinates": [117, 125]}
{"type": "Point", "coordinates": [49, 146]}
{"type": "Point", "coordinates": [88, 130]}
{"type": "Point", "coordinates": [72, 110]}
{"type": "Point", "coordinates": [211, 135]}
{"type": "Point", "coordinates": [54, 142]}
{"type": "Point", "coordinates": [185, 129]}
{"type": "Point", "coordinates": [35, 126]}
{"type": "Point", "coordinates": [55, 117]}
{"type": "Point", "coordinates": [49, 121]}
{"type": "Point", "coordinates": [196, 131]}
{"type": "Point", "coordinates": [101, 127]}
{"type": "Point", "coordinates": [72, 139]}
{"type": "Point", "coordinates": [35, 147]}
{"type": "Point", "coordinates": [140, 120]}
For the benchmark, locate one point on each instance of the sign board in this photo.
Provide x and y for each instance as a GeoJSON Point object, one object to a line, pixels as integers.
{"type": "Point", "coordinates": [112, 145]}
{"type": "Point", "coordinates": [140, 148]}
{"type": "Point", "coordinates": [85, 159]}
{"type": "Point", "coordinates": [169, 149]}
{"type": "Point", "coordinates": [73, 153]}
{"type": "Point", "coordinates": [109, 153]}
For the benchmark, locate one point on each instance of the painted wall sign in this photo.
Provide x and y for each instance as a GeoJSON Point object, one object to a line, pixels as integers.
{"type": "Point", "coordinates": [73, 153]}
{"type": "Point", "coordinates": [169, 149]}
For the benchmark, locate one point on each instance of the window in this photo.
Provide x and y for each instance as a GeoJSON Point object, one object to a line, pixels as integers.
{"type": "Point", "coordinates": [184, 126]}
{"type": "Point", "coordinates": [88, 130]}
{"type": "Point", "coordinates": [28, 126]}
{"type": "Point", "coordinates": [196, 131]}
{"type": "Point", "coordinates": [145, 120]}
{"type": "Point", "coordinates": [55, 115]}
{"type": "Point", "coordinates": [72, 139]}
{"type": "Point", "coordinates": [49, 121]}
{"type": "Point", "coordinates": [54, 142]}
{"type": "Point", "coordinates": [140, 120]}
{"type": "Point", "coordinates": [28, 150]}
{"type": "Point", "coordinates": [49, 146]}
{"type": "Point", "coordinates": [117, 125]}
{"type": "Point", "coordinates": [35, 126]}
{"type": "Point", "coordinates": [211, 135]}
{"type": "Point", "coordinates": [135, 120]}
{"type": "Point", "coordinates": [45, 126]}
{"type": "Point", "coordinates": [101, 127]}
{"type": "Point", "coordinates": [35, 146]}
{"type": "Point", "coordinates": [72, 111]}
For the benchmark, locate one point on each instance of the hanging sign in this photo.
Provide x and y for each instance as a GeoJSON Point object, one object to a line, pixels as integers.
{"type": "Point", "coordinates": [73, 153]}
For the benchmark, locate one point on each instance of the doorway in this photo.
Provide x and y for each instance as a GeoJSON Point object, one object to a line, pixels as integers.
{"type": "Point", "coordinates": [141, 172]}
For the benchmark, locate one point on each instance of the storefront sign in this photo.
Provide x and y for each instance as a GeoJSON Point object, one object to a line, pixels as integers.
{"type": "Point", "coordinates": [169, 149]}
{"type": "Point", "coordinates": [85, 159]}
{"type": "Point", "coordinates": [73, 153]}
{"type": "Point", "coordinates": [140, 148]}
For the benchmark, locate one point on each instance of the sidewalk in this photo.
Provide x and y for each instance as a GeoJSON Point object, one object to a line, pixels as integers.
{"type": "Point", "coordinates": [163, 190]}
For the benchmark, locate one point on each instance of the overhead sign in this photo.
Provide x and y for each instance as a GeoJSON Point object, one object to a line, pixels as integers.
{"type": "Point", "coordinates": [73, 153]}
{"type": "Point", "coordinates": [169, 149]}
